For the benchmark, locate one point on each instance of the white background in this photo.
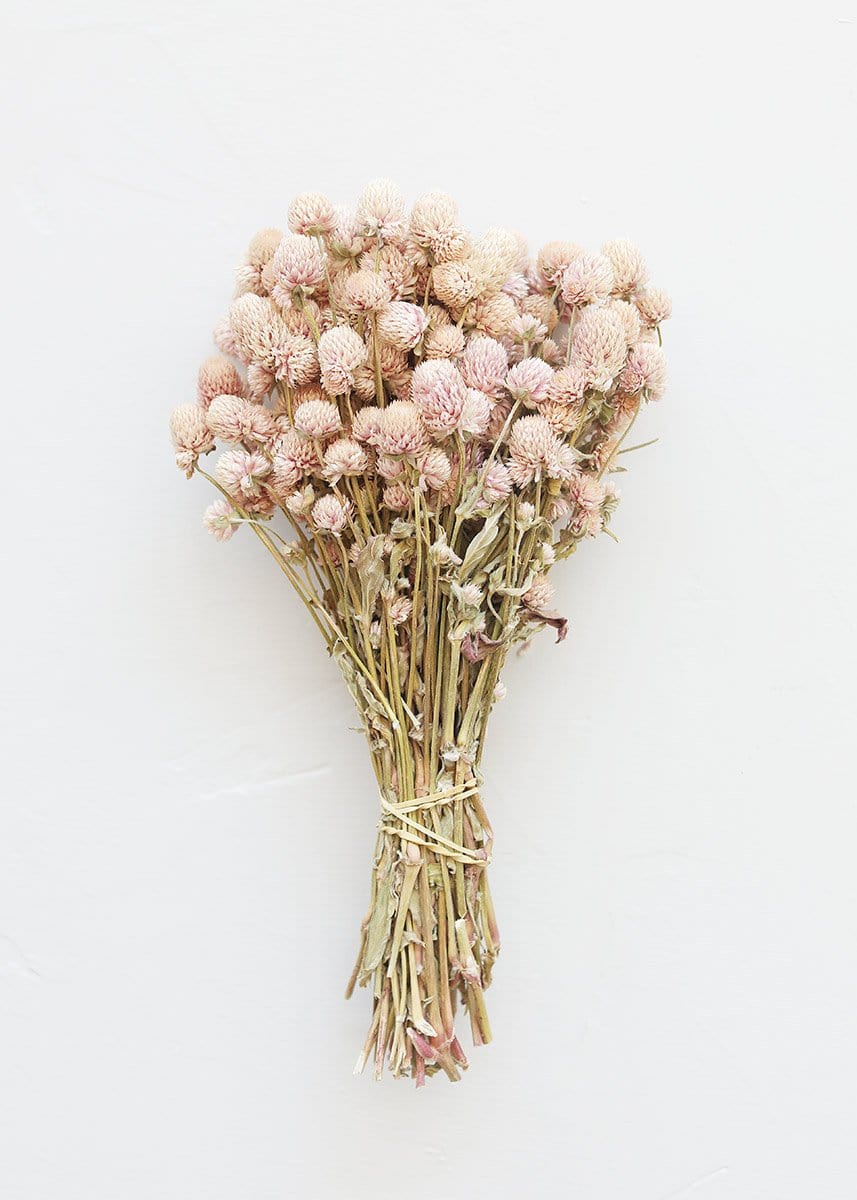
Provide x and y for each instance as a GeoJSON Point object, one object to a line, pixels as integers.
{"type": "Point", "coordinates": [187, 823]}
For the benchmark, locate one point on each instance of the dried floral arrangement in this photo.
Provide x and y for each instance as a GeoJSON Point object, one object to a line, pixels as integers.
{"type": "Point", "coordinates": [422, 424]}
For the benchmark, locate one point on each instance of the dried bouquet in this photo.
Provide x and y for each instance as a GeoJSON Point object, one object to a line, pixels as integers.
{"type": "Point", "coordinates": [421, 425]}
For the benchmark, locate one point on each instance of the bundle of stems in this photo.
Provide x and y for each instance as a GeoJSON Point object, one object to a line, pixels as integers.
{"type": "Point", "coordinates": [422, 426]}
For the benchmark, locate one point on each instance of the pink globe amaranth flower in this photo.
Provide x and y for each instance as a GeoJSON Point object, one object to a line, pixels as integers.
{"type": "Point", "coordinates": [630, 318]}
{"type": "Point", "coordinates": [296, 361]}
{"type": "Point", "coordinates": [516, 286]}
{"type": "Point", "coordinates": [258, 328]}
{"type": "Point", "coordinates": [318, 419]}
{"type": "Point", "coordinates": [396, 497]}
{"type": "Point", "coordinates": [493, 315]}
{"type": "Point", "coordinates": [250, 276]}
{"type": "Point", "coordinates": [587, 279]}
{"type": "Point", "coordinates": [367, 423]}
{"type": "Point", "coordinates": [497, 483]}
{"type": "Point", "coordinates": [646, 370]}
{"type": "Point", "coordinates": [363, 291]}
{"type": "Point", "coordinates": [330, 515]}
{"type": "Point", "coordinates": [587, 491]}
{"type": "Point", "coordinates": [456, 283]}
{"type": "Point", "coordinates": [345, 456]}
{"type": "Point", "coordinates": [476, 414]}
{"type": "Point", "coordinates": [629, 268]}
{"type": "Point", "coordinates": [340, 351]}
{"type": "Point", "coordinates": [225, 339]}
{"type": "Point", "coordinates": [311, 214]}
{"type": "Point", "coordinates": [402, 325]}
{"type": "Point", "coordinates": [528, 329]}
{"type": "Point", "coordinates": [401, 431]}
{"type": "Point", "coordinates": [260, 381]}
{"type": "Point", "coordinates": [439, 393]}
{"type": "Point", "coordinates": [297, 269]}
{"type": "Point", "coordinates": [400, 609]}
{"type": "Point", "coordinates": [536, 451]}
{"type": "Point", "coordinates": [444, 341]}
{"type": "Point", "coordinates": [435, 469]}
{"type": "Point", "coordinates": [380, 211]}
{"type": "Point", "coordinates": [550, 352]}
{"type": "Point", "coordinates": [598, 346]}
{"type": "Point", "coordinates": [221, 520]}
{"type": "Point", "coordinates": [568, 386]}
{"type": "Point", "coordinates": [529, 381]}
{"type": "Point", "coordinates": [235, 419]}
{"type": "Point", "coordinates": [654, 307]}
{"type": "Point", "coordinates": [553, 259]}
{"type": "Point", "coordinates": [241, 473]}
{"type": "Point", "coordinates": [484, 365]}
{"type": "Point", "coordinates": [294, 457]}
{"type": "Point", "coordinates": [497, 252]}
{"type": "Point", "coordinates": [435, 227]}
{"type": "Point", "coordinates": [540, 593]}
{"type": "Point", "coordinates": [562, 418]}
{"type": "Point", "coordinates": [389, 468]}
{"type": "Point", "coordinates": [190, 435]}
{"type": "Point", "coordinates": [217, 376]}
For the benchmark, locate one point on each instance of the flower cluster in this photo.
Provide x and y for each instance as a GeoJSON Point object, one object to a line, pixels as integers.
{"type": "Point", "coordinates": [436, 418]}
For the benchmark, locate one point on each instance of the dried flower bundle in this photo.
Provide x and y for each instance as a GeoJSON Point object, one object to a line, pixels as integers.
{"type": "Point", "coordinates": [422, 423]}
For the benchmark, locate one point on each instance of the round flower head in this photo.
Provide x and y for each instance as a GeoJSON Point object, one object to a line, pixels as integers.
{"type": "Point", "coordinates": [234, 419]}
{"type": "Point", "coordinates": [330, 515]}
{"type": "Point", "coordinates": [535, 450]}
{"type": "Point", "coordinates": [496, 483]}
{"type": "Point", "coordinates": [340, 351]}
{"type": "Point", "coordinates": [587, 279]}
{"type": "Point", "coordinates": [217, 376]}
{"type": "Point", "coordinates": [493, 315]}
{"type": "Point", "coordinates": [497, 253]}
{"type": "Point", "coordinates": [630, 319]}
{"type": "Point", "coordinates": [345, 241]}
{"type": "Point", "coordinates": [241, 474]}
{"type": "Point", "coordinates": [435, 227]}
{"type": "Point", "coordinates": [258, 328]}
{"type": "Point", "coordinates": [562, 418]}
{"type": "Point", "coordinates": [476, 415]}
{"type": "Point", "coordinates": [296, 361]}
{"type": "Point", "coordinates": [456, 283]}
{"type": "Point", "coordinates": [484, 365]}
{"type": "Point", "coordinates": [364, 291]}
{"type": "Point", "coordinates": [317, 419]}
{"type": "Point", "coordinates": [401, 430]}
{"type": "Point", "coordinates": [540, 593]}
{"type": "Point", "coordinates": [529, 381]}
{"type": "Point", "coordinates": [629, 269]}
{"type": "Point", "coordinates": [568, 386]}
{"type": "Point", "coordinates": [598, 346]}
{"type": "Point", "coordinates": [516, 286]}
{"type": "Point", "coordinates": [402, 325]}
{"type": "Point", "coordinates": [311, 214]}
{"type": "Point", "coordinates": [553, 259]}
{"type": "Point", "coordinates": [396, 497]}
{"type": "Point", "coordinates": [389, 468]}
{"type": "Point", "coordinates": [528, 330]}
{"type": "Point", "coordinates": [586, 491]}
{"type": "Point", "coordinates": [345, 456]}
{"type": "Point", "coordinates": [646, 370]}
{"type": "Point", "coordinates": [221, 520]}
{"type": "Point", "coordinates": [190, 435]}
{"type": "Point", "coordinates": [294, 457]}
{"type": "Point", "coordinates": [297, 268]}
{"type": "Point", "coordinates": [654, 306]}
{"type": "Point", "coordinates": [434, 468]}
{"type": "Point", "coordinates": [444, 341]}
{"type": "Point", "coordinates": [225, 339]}
{"type": "Point", "coordinates": [262, 247]}
{"type": "Point", "coordinates": [367, 423]}
{"type": "Point", "coordinates": [439, 393]}
{"type": "Point", "coordinates": [381, 211]}
{"type": "Point", "coordinates": [400, 609]}
{"type": "Point", "coordinates": [259, 383]}
{"type": "Point", "coordinates": [394, 267]}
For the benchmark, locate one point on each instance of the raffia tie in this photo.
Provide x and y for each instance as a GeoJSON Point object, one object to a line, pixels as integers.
{"type": "Point", "coordinates": [421, 835]}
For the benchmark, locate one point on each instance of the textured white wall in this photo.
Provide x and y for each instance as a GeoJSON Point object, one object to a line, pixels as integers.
{"type": "Point", "coordinates": [187, 824]}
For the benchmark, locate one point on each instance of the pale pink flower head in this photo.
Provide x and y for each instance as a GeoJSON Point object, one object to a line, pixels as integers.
{"type": "Point", "coordinates": [396, 497]}
{"type": "Point", "coordinates": [381, 211]}
{"type": "Point", "coordinates": [401, 430]}
{"type": "Point", "coordinates": [311, 214]}
{"type": "Point", "coordinates": [516, 286]}
{"type": "Point", "coordinates": [297, 269]}
{"type": "Point", "coordinates": [217, 376]}
{"type": "Point", "coordinates": [318, 419]}
{"type": "Point", "coordinates": [646, 371]}
{"type": "Point", "coordinates": [439, 392]}
{"type": "Point", "coordinates": [241, 473]}
{"type": "Point", "coordinates": [540, 593]}
{"type": "Point", "coordinates": [493, 315]}
{"type": "Point", "coordinates": [340, 351]}
{"type": "Point", "coordinates": [598, 346]}
{"type": "Point", "coordinates": [434, 468]}
{"type": "Point", "coordinates": [536, 451]}
{"type": "Point", "coordinates": [346, 240]}
{"type": "Point", "coordinates": [394, 267]}
{"type": "Point", "coordinates": [654, 306]}
{"type": "Point", "coordinates": [529, 380]}
{"type": "Point", "coordinates": [367, 423]}
{"type": "Point", "coordinates": [225, 339]}
{"type": "Point", "coordinates": [444, 341]}
{"type": "Point", "coordinates": [550, 352]}
{"type": "Point", "coordinates": [402, 324]}
{"type": "Point", "coordinates": [296, 360]}
{"type": "Point", "coordinates": [364, 291]}
{"type": "Point", "coordinates": [345, 456]}
{"type": "Point", "coordinates": [259, 383]}
{"type": "Point", "coordinates": [568, 386]}
{"type": "Point", "coordinates": [630, 318]}
{"type": "Point", "coordinates": [497, 251]}
{"type": "Point", "coordinates": [476, 414]}
{"type": "Point", "coordinates": [258, 328]}
{"type": "Point", "coordinates": [294, 457]}
{"type": "Point", "coordinates": [190, 435]}
{"type": "Point", "coordinates": [629, 268]}
{"type": "Point", "coordinates": [389, 468]}
{"type": "Point", "coordinates": [235, 419]}
{"type": "Point", "coordinates": [586, 280]}
{"type": "Point", "coordinates": [553, 259]}
{"type": "Point", "coordinates": [497, 483]}
{"type": "Point", "coordinates": [263, 246]}
{"type": "Point", "coordinates": [528, 329]}
{"type": "Point", "coordinates": [587, 491]}
{"type": "Point", "coordinates": [400, 609]}
{"type": "Point", "coordinates": [221, 520]}
{"type": "Point", "coordinates": [435, 227]}
{"type": "Point", "coordinates": [484, 365]}
{"type": "Point", "coordinates": [330, 514]}
{"type": "Point", "coordinates": [456, 283]}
